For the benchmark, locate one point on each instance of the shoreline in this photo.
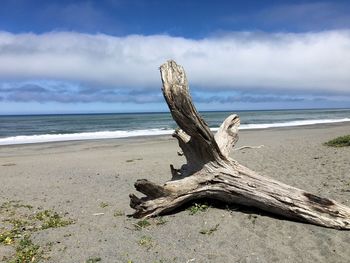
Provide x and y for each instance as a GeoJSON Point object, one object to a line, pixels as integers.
{"type": "Point", "coordinates": [155, 136]}
{"type": "Point", "coordinates": [76, 178]}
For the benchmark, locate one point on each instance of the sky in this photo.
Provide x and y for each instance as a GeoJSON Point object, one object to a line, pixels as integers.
{"type": "Point", "coordinates": [104, 55]}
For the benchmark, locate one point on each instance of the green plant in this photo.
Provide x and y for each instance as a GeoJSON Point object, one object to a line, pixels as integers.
{"type": "Point", "coordinates": [14, 204]}
{"type": "Point", "coordinates": [142, 224]}
{"type": "Point", "coordinates": [104, 204]}
{"type": "Point", "coordinates": [210, 230]}
{"type": "Point", "coordinates": [93, 260]}
{"type": "Point", "coordinates": [160, 220]}
{"type": "Point", "coordinates": [118, 213]}
{"type": "Point", "coordinates": [20, 223]}
{"type": "Point", "coordinates": [195, 208]}
{"type": "Point", "coordinates": [9, 237]}
{"type": "Point", "coordinates": [146, 242]}
{"type": "Point", "coordinates": [52, 219]}
{"type": "Point", "coordinates": [340, 141]}
{"type": "Point", "coordinates": [27, 251]}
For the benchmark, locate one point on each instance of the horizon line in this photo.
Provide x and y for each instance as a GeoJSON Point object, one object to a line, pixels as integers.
{"type": "Point", "coordinates": [157, 112]}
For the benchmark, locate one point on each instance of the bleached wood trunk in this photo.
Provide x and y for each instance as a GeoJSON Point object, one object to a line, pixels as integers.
{"type": "Point", "coordinates": [211, 173]}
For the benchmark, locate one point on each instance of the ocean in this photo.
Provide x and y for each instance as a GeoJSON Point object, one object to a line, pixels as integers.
{"type": "Point", "coordinates": [23, 129]}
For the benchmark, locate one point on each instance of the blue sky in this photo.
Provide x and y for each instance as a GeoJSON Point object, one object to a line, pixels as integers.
{"type": "Point", "coordinates": [103, 56]}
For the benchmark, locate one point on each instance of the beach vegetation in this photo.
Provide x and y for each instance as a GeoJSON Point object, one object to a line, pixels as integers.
{"type": "Point", "coordinates": [118, 213]}
{"type": "Point", "coordinates": [142, 224]}
{"type": "Point", "coordinates": [51, 219]}
{"type": "Point", "coordinates": [8, 237]}
{"type": "Point", "coordinates": [160, 220]}
{"type": "Point", "coordinates": [210, 230]}
{"type": "Point", "coordinates": [197, 207]}
{"type": "Point", "coordinates": [104, 204]}
{"type": "Point", "coordinates": [19, 224]}
{"type": "Point", "coordinates": [146, 241]}
{"type": "Point", "coordinates": [340, 141]}
{"type": "Point", "coordinates": [93, 260]}
{"type": "Point", "coordinates": [14, 204]}
{"type": "Point", "coordinates": [27, 251]}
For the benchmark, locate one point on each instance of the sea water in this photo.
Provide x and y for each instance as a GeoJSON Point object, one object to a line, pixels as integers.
{"type": "Point", "coordinates": [22, 129]}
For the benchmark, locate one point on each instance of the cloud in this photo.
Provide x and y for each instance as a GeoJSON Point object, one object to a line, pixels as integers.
{"type": "Point", "coordinates": [314, 62]}
{"type": "Point", "coordinates": [53, 91]}
{"type": "Point", "coordinates": [69, 93]}
{"type": "Point", "coordinates": [249, 98]}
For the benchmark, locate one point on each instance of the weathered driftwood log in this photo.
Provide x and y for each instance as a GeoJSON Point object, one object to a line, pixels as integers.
{"type": "Point", "coordinates": [211, 173]}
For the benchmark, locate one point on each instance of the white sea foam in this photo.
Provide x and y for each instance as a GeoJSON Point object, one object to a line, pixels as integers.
{"type": "Point", "coordinates": [291, 123]}
{"type": "Point", "coordinates": [25, 139]}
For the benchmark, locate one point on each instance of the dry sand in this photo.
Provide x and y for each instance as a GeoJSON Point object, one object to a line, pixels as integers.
{"type": "Point", "coordinates": [84, 178]}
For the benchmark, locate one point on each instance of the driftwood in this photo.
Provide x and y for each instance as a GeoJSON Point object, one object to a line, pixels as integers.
{"type": "Point", "coordinates": [211, 173]}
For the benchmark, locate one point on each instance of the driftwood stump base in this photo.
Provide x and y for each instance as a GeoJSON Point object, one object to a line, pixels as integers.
{"type": "Point", "coordinates": [211, 173]}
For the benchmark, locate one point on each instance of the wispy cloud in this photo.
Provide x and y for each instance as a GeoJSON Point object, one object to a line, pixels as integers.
{"type": "Point", "coordinates": [66, 92]}
{"type": "Point", "coordinates": [54, 91]}
{"type": "Point", "coordinates": [107, 68]}
{"type": "Point", "coordinates": [250, 98]}
{"type": "Point", "coordinates": [305, 16]}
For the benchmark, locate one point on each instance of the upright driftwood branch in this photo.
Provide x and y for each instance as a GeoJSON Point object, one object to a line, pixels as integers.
{"type": "Point", "coordinates": [211, 173]}
{"type": "Point", "coordinates": [227, 135]}
{"type": "Point", "coordinates": [176, 94]}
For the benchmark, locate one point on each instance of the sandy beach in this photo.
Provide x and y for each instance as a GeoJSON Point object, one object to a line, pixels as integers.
{"type": "Point", "coordinates": [89, 182]}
